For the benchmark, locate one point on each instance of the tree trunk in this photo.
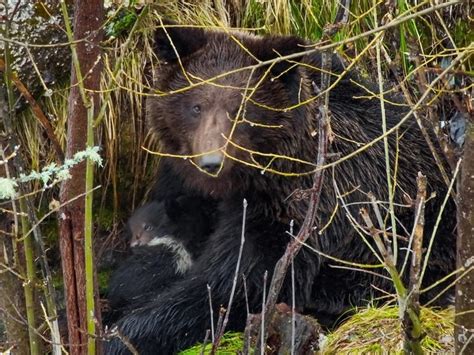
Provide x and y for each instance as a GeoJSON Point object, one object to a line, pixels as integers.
{"type": "Point", "coordinates": [88, 17]}
{"type": "Point", "coordinates": [464, 336]}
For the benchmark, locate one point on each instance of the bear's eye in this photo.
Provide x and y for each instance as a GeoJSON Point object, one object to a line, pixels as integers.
{"type": "Point", "coordinates": [196, 110]}
{"type": "Point", "coordinates": [147, 228]}
{"type": "Point", "coordinates": [234, 112]}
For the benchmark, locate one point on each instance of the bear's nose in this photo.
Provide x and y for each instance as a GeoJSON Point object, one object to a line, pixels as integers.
{"type": "Point", "coordinates": [211, 162]}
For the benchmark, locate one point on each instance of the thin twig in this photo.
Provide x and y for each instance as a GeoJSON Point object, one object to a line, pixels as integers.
{"type": "Point", "coordinates": [293, 301]}
{"type": "Point", "coordinates": [413, 329]}
{"type": "Point", "coordinates": [390, 186]}
{"type": "Point", "coordinates": [262, 329]}
{"type": "Point", "coordinates": [247, 307]}
{"type": "Point", "coordinates": [125, 341]}
{"type": "Point", "coordinates": [220, 320]}
{"type": "Point", "coordinates": [315, 192]}
{"type": "Point", "coordinates": [438, 220]}
{"type": "Point", "coordinates": [424, 89]}
{"type": "Point", "coordinates": [382, 228]}
{"type": "Point", "coordinates": [204, 343]}
{"type": "Point", "coordinates": [220, 329]}
{"type": "Point", "coordinates": [39, 114]}
{"type": "Point", "coordinates": [211, 312]}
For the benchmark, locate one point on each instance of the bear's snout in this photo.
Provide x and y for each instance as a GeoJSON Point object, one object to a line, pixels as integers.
{"type": "Point", "coordinates": [211, 162]}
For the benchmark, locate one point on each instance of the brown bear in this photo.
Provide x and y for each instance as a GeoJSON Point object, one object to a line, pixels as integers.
{"type": "Point", "coordinates": [245, 120]}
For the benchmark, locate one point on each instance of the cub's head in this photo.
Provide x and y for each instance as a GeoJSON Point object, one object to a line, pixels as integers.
{"type": "Point", "coordinates": [219, 104]}
{"type": "Point", "coordinates": [149, 222]}
{"type": "Point", "coordinates": [187, 219]}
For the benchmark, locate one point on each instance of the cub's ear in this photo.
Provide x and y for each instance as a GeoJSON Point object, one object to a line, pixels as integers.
{"type": "Point", "coordinates": [173, 40]}
{"type": "Point", "coordinates": [181, 206]}
{"type": "Point", "coordinates": [174, 208]}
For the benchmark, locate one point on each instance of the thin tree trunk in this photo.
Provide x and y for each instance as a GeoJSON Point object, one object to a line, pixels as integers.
{"type": "Point", "coordinates": [464, 336]}
{"type": "Point", "coordinates": [12, 297]}
{"type": "Point", "coordinates": [88, 17]}
{"type": "Point", "coordinates": [12, 301]}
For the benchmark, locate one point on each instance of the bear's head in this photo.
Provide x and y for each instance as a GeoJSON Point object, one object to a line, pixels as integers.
{"type": "Point", "coordinates": [228, 105]}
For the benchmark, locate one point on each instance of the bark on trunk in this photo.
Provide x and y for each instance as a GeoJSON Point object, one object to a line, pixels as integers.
{"type": "Point", "coordinates": [464, 336]}
{"type": "Point", "coordinates": [88, 17]}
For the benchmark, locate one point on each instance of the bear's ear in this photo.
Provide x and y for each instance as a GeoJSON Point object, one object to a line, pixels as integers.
{"type": "Point", "coordinates": [172, 41]}
{"type": "Point", "coordinates": [272, 47]}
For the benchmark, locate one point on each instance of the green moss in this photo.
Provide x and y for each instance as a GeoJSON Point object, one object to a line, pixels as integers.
{"type": "Point", "coordinates": [122, 22]}
{"type": "Point", "coordinates": [49, 229]}
{"type": "Point", "coordinates": [231, 343]}
{"type": "Point", "coordinates": [104, 218]}
{"type": "Point", "coordinates": [103, 278]}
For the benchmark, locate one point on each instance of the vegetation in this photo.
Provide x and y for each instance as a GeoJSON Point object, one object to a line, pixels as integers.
{"type": "Point", "coordinates": [420, 50]}
{"type": "Point", "coordinates": [378, 330]}
{"type": "Point", "coordinates": [370, 330]}
{"type": "Point", "coordinates": [231, 343]}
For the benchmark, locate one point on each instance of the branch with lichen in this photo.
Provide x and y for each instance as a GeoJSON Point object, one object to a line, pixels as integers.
{"type": "Point", "coordinates": [50, 175]}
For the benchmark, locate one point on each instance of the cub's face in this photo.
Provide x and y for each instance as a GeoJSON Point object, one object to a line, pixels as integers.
{"type": "Point", "coordinates": [149, 222]}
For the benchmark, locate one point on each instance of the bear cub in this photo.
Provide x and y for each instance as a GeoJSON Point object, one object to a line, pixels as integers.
{"type": "Point", "coordinates": [166, 238]}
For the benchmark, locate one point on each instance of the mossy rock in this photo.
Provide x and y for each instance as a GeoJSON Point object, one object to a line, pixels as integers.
{"type": "Point", "coordinates": [379, 331]}
{"type": "Point", "coordinates": [369, 331]}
